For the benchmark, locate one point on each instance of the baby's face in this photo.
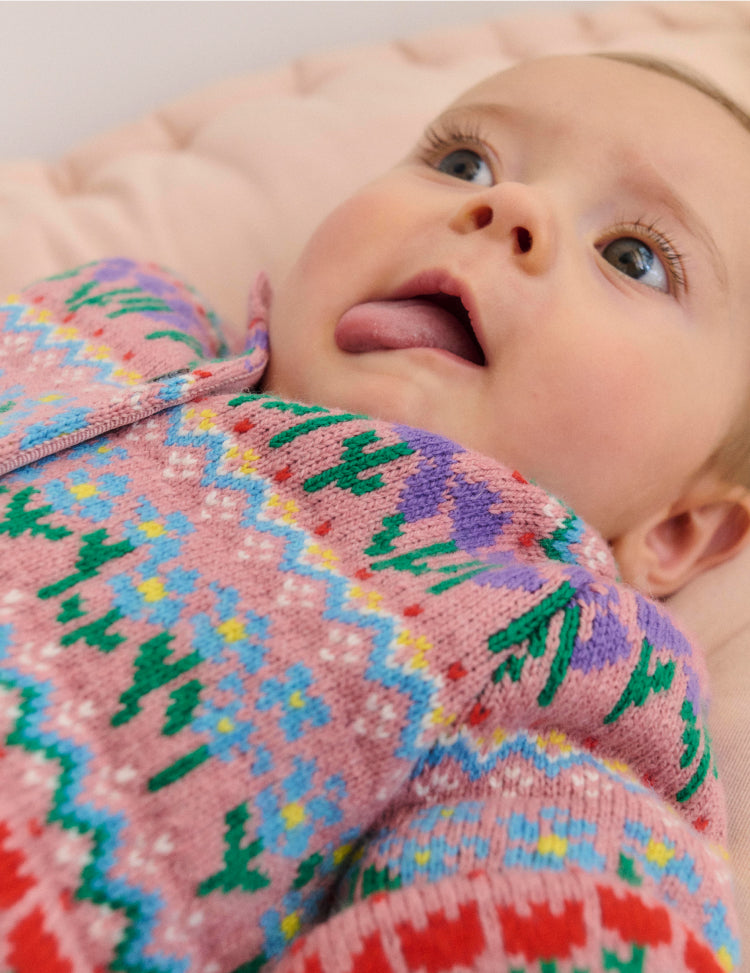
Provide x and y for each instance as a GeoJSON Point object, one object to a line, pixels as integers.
{"type": "Point", "coordinates": [555, 277]}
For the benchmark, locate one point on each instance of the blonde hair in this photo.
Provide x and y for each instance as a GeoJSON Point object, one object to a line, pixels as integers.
{"type": "Point", "coordinates": [731, 461]}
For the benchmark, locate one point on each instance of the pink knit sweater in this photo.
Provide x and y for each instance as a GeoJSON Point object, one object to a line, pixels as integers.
{"type": "Point", "coordinates": [289, 689]}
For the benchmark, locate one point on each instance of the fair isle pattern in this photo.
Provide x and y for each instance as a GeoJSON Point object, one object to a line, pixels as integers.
{"type": "Point", "coordinates": [85, 336]}
{"type": "Point", "coordinates": [287, 688]}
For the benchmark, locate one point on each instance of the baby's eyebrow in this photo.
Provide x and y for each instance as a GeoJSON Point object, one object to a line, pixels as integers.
{"type": "Point", "coordinates": [480, 109]}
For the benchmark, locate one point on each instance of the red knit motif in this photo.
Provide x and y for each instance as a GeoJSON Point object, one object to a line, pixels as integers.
{"type": "Point", "coordinates": [543, 935]}
{"type": "Point", "coordinates": [371, 959]}
{"type": "Point", "coordinates": [633, 920]}
{"type": "Point", "coordinates": [14, 883]}
{"type": "Point", "coordinates": [430, 949]}
{"type": "Point", "coordinates": [33, 949]}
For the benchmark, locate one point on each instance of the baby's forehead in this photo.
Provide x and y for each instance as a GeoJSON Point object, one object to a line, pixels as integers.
{"type": "Point", "coordinates": [651, 73]}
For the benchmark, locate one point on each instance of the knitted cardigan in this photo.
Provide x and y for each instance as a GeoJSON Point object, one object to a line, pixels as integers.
{"type": "Point", "coordinates": [285, 688]}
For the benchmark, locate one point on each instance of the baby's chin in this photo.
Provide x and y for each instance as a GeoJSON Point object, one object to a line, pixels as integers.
{"type": "Point", "coordinates": [384, 401]}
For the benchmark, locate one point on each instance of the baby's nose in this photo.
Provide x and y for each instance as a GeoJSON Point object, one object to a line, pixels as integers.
{"type": "Point", "coordinates": [511, 213]}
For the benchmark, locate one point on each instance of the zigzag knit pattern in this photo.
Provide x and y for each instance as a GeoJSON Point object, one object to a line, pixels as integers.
{"type": "Point", "coordinates": [285, 688]}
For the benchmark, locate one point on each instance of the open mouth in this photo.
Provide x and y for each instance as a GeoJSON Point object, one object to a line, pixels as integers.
{"type": "Point", "coordinates": [471, 350]}
{"type": "Point", "coordinates": [432, 320]}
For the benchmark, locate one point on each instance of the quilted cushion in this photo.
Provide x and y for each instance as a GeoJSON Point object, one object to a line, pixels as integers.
{"type": "Point", "coordinates": [232, 178]}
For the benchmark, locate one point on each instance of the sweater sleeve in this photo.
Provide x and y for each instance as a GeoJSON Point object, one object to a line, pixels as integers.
{"type": "Point", "coordinates": [103, 345]}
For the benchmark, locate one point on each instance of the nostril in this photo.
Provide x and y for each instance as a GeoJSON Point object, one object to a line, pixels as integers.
{"type": "Point", "coordinates": [482, 216]}
{"type": "Point", "coordinates": [523, 239]}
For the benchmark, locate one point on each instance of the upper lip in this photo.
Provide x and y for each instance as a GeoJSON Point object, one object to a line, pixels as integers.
{"type": "Point", "coordinates": [433, 284]}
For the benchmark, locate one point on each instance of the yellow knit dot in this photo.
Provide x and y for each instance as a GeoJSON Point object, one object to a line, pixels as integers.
{"type": "Point", "coordinates": [130, 378]}
{"type": "Point", "coordinates": [225, 725]}
{"type": "Point", "coordinates": [340, 854]}
{"type": "Point", "coordinates": [290, 509]}
{"type": "Point", "coordinates": [205, 424]}
{"type": "Point", "coordinates": [297, 700]}
{"type": "Point", "coordinates": [325, 554]}
{"type": "Point", "coordinates": [98, 352]}
{"type": "Point", "coordinates": [552, 844]}
{"type": "Point", "coordinates": [151, 528]}
{"type": "Point", "coordinates": [65, 333]}
{"type": "Point", "coordinates": [422, 856]}
{"type": "Point", "coordinates": [658, 853]}
{"type": "Point", "coordinates": [249, 459]}
{"type": "Point", "coordinates": [232, 630]}
{"type": "Point", "coordinates": [725, 960]}
{"type": "Point", "coordinates": [290, 925]}
{"type": "Point", "coordinates": [82, 491]}
{"type": "Point", "coordinates": [152, 589]}
{"type": "Point", "coordinates": [293, 814]}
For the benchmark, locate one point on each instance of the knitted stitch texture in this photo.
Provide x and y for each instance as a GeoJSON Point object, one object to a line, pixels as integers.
{"type": "Point", "coordinates": [285, 688]}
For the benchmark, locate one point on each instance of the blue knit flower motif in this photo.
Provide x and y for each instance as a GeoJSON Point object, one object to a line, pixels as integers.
{"type": "Point", "coordinates": [291, 811]}
{"type": "Point", "coordinates": [162, 532]}
{"type": "Point", "coordinates": [297, 705]}
{"type": "Point", "coordinates": [228, 632]}
{"type": "Point", "coordinates": [228, 734]}
{"type": "Point", "coordinates": [89, 496]}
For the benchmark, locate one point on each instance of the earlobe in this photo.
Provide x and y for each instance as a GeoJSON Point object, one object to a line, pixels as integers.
{"type": "Point", "coordinates": [661, 556]}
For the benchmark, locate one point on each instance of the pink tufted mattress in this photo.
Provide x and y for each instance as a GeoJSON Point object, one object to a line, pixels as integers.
{"type": "Point", "coordinates": [232, 178]}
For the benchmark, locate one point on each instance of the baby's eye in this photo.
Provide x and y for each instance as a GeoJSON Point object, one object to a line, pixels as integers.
{"type": "Point", "coordinates": [467, 165]}
{"type": "Point", "coordinates": [636, 259]}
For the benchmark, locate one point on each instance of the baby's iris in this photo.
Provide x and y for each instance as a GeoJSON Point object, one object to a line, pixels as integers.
{"type": "Point", "coordinates": [636, 259]}
{"type": "Point", "coordinates": [467, 165]}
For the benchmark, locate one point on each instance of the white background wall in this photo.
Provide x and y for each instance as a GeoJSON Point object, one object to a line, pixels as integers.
{"type": "Point", "coordinates": [71, 69]}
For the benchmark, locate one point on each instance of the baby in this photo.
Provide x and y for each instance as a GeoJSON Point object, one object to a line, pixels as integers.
{"type": "Point", "coordinates": [287, 687]}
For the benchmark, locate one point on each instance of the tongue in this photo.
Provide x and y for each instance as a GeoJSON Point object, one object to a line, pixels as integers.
{"type": "Point", "coordinates": [412, 323]}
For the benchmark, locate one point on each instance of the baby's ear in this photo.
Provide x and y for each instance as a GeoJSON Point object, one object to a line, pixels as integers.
{"type": "Point", "coordinates": [697, 532]}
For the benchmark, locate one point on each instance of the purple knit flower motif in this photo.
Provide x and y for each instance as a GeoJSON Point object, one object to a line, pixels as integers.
{"type": "Point", "coordinates": [475, 523]}
{"type": "Point", "coordinates": [426, 489]}
{"type": "Point", "coordinates": [660, 630]}
{"type": "Point", "coordinates": [511, 573]}
{"type": "Point", "coordinates": [257, 337]}
{"type": "Point", "coordinates": [609, 640]}
{"type": "Point", "coordinates": [607, 644]}
{"type": "Point", "coordinates": [114, 269]}
{"type": "Point", "coordinates": [156, 285]}
{"type": "Point", "coordinates": [184, 317]}
{"type": "Point", "coordinates": [693, 688]}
